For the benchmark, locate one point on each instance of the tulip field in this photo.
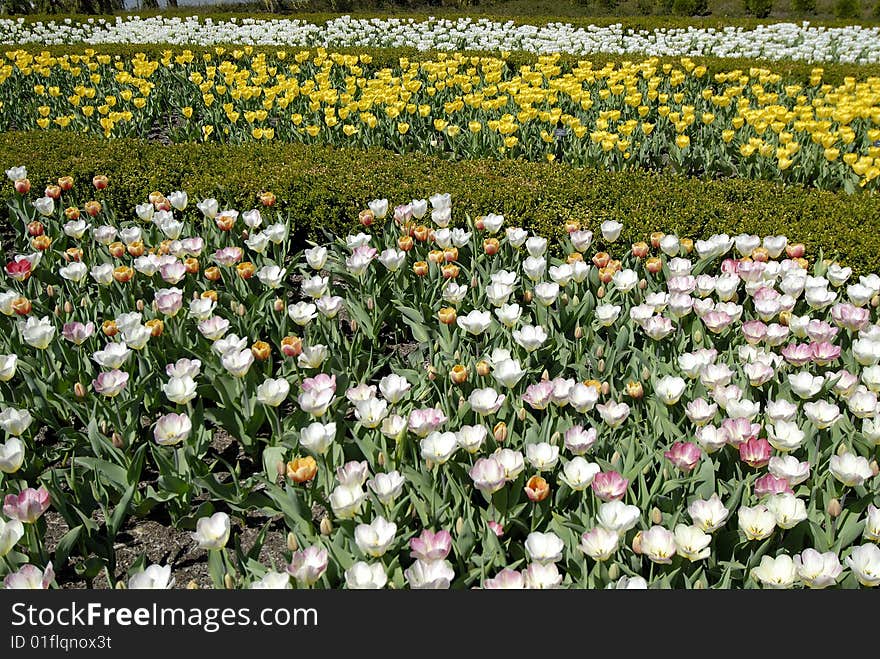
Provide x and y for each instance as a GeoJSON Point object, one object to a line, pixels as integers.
{"type": "Point", "coordinates": [199, 394]}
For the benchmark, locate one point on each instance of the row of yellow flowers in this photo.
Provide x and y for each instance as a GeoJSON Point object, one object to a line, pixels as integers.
{"type": "Point", "coordinates": [652, 114]}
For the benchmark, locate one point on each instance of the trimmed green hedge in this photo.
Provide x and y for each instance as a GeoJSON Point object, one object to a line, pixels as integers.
{"type": "Point", "coordinates": [324, 188]}
{"type": "Point", "coordinates": [834, 73]}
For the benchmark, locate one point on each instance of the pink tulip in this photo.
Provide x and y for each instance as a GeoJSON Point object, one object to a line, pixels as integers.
{"type": "Point", "coordinates": [539, 395]}
{"type": "Point", "coordinates": [77, 333]}
{"type": "Point", "coordinates": [609, 486]}
{"type": "Point", "coordinates": [430, 546]}
{"type": "Point", "coordinates": [30, 577]}
{"type": "Point", "coordinates": [27, 506]}
{"type": "Point", "coordinates": [228, 256]}
{"type": "Point", "coordinates": [320, 382]}
{"type": "Point", "coordinates": [770, 484]}
{"type": "Point", "coordinates": [850, 317]}
{"type": "Point", "coordinates": [798, 354]}
{"type": "Point", "coordinates": [755, 452]}
{"type": "Point", "coordinates": [684, 455]}
{"type": "Point", "coordinates": [497, 528]}
{"type": "Point", "coordinates": [754, 331]}
{"type": "Point", "coordinates": [824, 352]}
{"type": "Point", "coordinates": [506, 579]}
{"type": "Point", "coordinates": [740, 430]}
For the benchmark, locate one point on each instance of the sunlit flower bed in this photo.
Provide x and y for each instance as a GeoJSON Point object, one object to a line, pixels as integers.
{"type": "Point", "coordinates": [434, 401]}
{"type": "Point", "coordinates": [854, 43]}
{"type": "Point", "coordinates": [748, 123]}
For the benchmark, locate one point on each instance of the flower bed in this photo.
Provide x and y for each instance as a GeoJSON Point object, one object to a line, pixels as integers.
{"type": "Point", "coordinates": [775, 41]}
{"type": "Point", "coordinates": [645, 115]}
{"type": "Point", "coordinates": [435, 400]}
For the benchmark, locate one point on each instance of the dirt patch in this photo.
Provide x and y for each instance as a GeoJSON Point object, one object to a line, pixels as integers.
{"type": "Point", "coordinates": [167, 545]}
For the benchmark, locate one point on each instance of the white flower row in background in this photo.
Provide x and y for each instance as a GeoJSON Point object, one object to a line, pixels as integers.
{"type": "Point", "coordinates": [851, 44]}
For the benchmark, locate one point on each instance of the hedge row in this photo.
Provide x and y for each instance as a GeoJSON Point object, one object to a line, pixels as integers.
{"type": "Point", "coordinates": [834, 73]}
{"type": "Point", "coordinates": [524, 15]}
{"type": "Point", "coordinates": [324, 188]}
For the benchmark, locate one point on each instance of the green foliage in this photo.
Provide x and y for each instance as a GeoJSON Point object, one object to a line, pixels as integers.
{"type": "Point", "coordinates": [646, 7]}
{"type": "Point", "coordinates": [691, 7]}
{"type": "Point", "coordinates": [325, 188]}
{"type": "Point", "coordinates": [759, 8]}
{"type": "Point", "coordinates": [803, 6]}
{"type": "Point", "coordinates": [847, 9]}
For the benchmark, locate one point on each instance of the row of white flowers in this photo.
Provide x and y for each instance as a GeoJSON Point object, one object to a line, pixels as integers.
{"type": "Point", "coordinates": [852, 44]}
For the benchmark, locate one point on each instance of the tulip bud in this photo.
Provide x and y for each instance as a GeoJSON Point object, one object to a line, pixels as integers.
{"type": "Point", "coordinates": [242, 310]}
{"type": "Point", "coordinates": [637, 543]}
{"type": "Point", "coordinates": [656, 515]}
{"type": "Point", "coordinates": [432, 373]}
{"type": "Point", "coordinates": [156, 325]}
{"type": "Point", "coordinates": [601, 292]}
{"type": "Point", "coordinates": [615, 458]}
{"type": "Point", "coordinates": [79, 390]}
{"type": "Point", "coordinates": [578, 332]}
{"type": "Point", "coordinates": [613, 571]}
{"type": "Point", "coordinates": [326, 526]}
{"type": "Point", "coordinates": [459, 525]}
{"type": "Point", "coordinates": [537, 489]}
{"type": "Point", "coordinates": [41, 243]}
{"type": "Point", "coordinates": [116, 440]}
{"type": "Point", "coordinates": [499, 432]}
{"type": "Point", "coordinates": [841, 449]}
{"type": "Point", "coordinates": [834, 508]}
{"type": "Point", "coordinates": [545, 375]}
{"type": "Point", "coordinates": [68, 307]}
{"type": "Point", "coordinates": [564, 298]}
{"type": "Point", "coordinates": [483, 368]}
{"type": "Point", "coordinates": [654, 265]}
{"type": "Point", "coordinates": [643, 284]}
{"type": "Point", "coordinates": [521, 414]}
{"type": "Point", "coordinates": [600, 351]}
{"type": "Point", "coordinates": [278, 305]}
{"type": "Point", "coordinates": [228, 582]}
{"type": "Point", "coordinates": [635, 390]}
{"type": "Point", "coordinates": [261, 350]}
{"type": "Point", "coordinates": [302, 470]}
{"type": "Point", "coordinates": [291, 346]}
{"type": "Point", "coordinates": [280, 468]}
{"type": "Point", "coordinates": [601, 366]}
{"type": "Point", "coordinates": [875, 301]}
{"type": "Point", "coordinates": [605, 388]}
{"type": "Point", "coordinates": [875, 469]}
{"type": "Point", "coordinates": [640, 250]}
{"type": "Point", "coordinates": [698, 336]}
{"type": "Point", "coordinates": [527, 297]}
{"type": "Point", "coordinates": [370, 304]}
{"type": "Point", "coordinates": [192, 585]}
{"type": "Point", "coordinates": [57, 310]}
{"type": "Point", "coordinates": [795, 251]}
{"type": "Point", "coordinates": [292, 543]}
{"type": "Point", "coordinates": [352, 325]}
